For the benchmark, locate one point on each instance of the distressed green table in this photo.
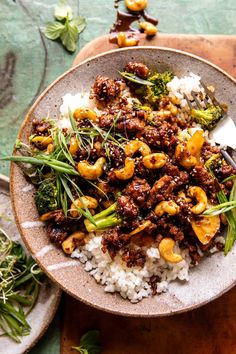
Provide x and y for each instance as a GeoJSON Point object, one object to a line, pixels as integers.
{"type": "Point", "coordinates": [29, 62]}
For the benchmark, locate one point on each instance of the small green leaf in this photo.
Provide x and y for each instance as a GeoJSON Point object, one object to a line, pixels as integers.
{"type": "Point", "coordinates": [63, 11]}
{"type": "Point", "coordinates": [69, 36]}
{"type": "Point", "coordinates": [79, 22]}
{"type": "Point", "coordinates": [18, 144]}
{"type": "Point", "coordinates": [53, 30]}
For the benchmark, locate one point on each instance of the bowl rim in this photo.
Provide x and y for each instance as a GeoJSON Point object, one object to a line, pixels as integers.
{"type": "Point", "coordinates": [186, 308]}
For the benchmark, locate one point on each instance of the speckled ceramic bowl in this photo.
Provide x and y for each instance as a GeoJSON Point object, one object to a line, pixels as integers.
{"type": "Point", "coordinates": [214, 276]}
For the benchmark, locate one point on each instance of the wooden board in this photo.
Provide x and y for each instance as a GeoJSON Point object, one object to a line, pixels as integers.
{"type": "Point", "coordinates": [210, 329]}
{"type": "Point", "coordinates": [220, 50]}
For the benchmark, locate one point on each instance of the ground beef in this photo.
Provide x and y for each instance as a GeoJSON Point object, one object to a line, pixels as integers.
{"type": "Point", "coordinates": [41, 127]}
{"type": "Point", "coordinates": [138, 189]}
{"type": "Point", "coordinates": [133, 125]}
{"type": "Point", "coordinates": [176, 233]}
{"type": "Point", "coordinates": [113, 241]}
{"type": "Point", "coordinates": [203, 179]}
{"type": "Point", "coordinates": [208, 150]}
{"type": "Point", "coordinates": [225, 171]}
{"type": "Point", "coordinates": [161, 190]}
{"type": "Point", "coordinates": [163, 137]}
{"type": "Point", "coordinates": [153, 283]}
{"type": "Point", "coordinates": [56, 233]}
{"type": "Point", "coordinates": [126, 207]}
{"type": "Point", "coordinates": [134, 258]}
{"type": "Point", "coordinates": [105, 89]}
{"type": "Point", "coordinates": [138, 69]}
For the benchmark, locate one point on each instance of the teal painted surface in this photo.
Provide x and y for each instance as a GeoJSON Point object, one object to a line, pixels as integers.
{"type": "Point", "coordinates": [34, 62]}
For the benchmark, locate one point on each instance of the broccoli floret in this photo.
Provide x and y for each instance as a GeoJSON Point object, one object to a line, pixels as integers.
{"type": "Point", "coordinates": [209, 117]}
{"type": "Point", "coordinates": [160, 80]}
{"type": "Point", "coordinates": [213, 163]}
{"type": "Point", "coordinates": [46, 197]}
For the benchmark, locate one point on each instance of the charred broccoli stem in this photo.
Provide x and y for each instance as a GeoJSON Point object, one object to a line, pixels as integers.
{"type": "Point", "coordinates": [209, 117]}
{"type": "Point", "coordinates": [46, 197]}
{"type": "Point", "coordinates": [213, 163]}
{"type": "Point", "coordinates": [103, 220]}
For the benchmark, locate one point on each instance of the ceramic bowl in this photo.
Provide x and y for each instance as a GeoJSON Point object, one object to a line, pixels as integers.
{"type": "Point", "coordinates": [214, 276]}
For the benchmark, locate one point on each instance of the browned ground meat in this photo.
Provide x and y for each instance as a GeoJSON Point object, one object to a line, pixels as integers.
{"type": "Point", "coordinates": [133, 124]}
{"type": "Point", "coordinates": [134, 258]}
{"type": "Point", "coordinates": [161, 190]}
{"type": "Point", "coordinates": [113, 241]}
{"type": "Point", "coordinates": [41, 127]}
{"type": "Point", "coordinates": [126, 207]}
{"type": "Point", "coordinates": [56, 233]}
{"type": "Point", "coordinates": [203, 179]}
{"type": "Point", "coordinates": [138, 69]}
{"type": "Point", "coordinates": [138, 189]}
{"type": "Point", "coordinates": [208, 150]}
{"type": "Point", "coordinates": [153, 283]}
{"type": "Point", "coordinates": [162, 137]}
{"type": "Point", "coordinates": [225, 171]}
{"type": "Point", "coordinates": [105, 89]}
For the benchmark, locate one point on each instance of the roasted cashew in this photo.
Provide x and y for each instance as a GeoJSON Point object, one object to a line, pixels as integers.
{"type": "Point", "coordinates": [140, 228]}
{"type": "Point", "coordinates": [89, 171]}
{"type": "Point", "coordinates": [136, 145]}
{"type": "Point", "coordinates": [42, 140]}
{"type": "Point", "coordinates": [74, 145]}
{"type": "Point", "coordinates": [155, 160]}
{"type": "Point", "coordinates": [205, 227]}
{"type": "Point", "coordinates": [124, 41]}
{"type": "Point", "coordinates": [168, 207]}
{"type": "Point", "coordinates": [82, 202]}
{"type": "Point", "coordinates": [85, 113]}
{"type": "Point", "coordinates": [199, 194]}
{"type": "Point", "coordinates": [148, 27]}
{"type": "Point", "coordinates": [69, 244]}
{"type": "Point", "coordinates": [166, 249]}
{"type": "Point", "coordinates": [182, 195]}
{"type": "Point", "coordinates": [136, 5]}
{"type": "Point", "coordinates": [50, 148]}
{"type": "Point", "coordinates": [127, 171]}
{"type": "Point", "coordinates": [185, 159]}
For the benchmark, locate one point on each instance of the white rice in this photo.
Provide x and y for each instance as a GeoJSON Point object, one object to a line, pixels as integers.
{"type": "Point", "coordinates": [133, 283]}
{"type": "Point", "coordinates": [179, 87]}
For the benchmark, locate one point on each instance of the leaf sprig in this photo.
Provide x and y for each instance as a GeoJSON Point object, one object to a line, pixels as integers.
{"type": "Point", "coordinates": [89, 343]}
{"type": "Point", "coordinates": [65, 28]}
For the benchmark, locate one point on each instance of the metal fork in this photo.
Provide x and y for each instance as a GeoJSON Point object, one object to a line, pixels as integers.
{"type": "Point", "coordinates": [214, 102]}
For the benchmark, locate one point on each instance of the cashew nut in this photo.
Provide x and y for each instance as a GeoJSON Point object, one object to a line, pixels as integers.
{"type": "Point", "coordinates": [85, 113]}
{"type": "Point", "coordinates": [148, 27]}
{"type": "Point", "coordinates": [168, 207]}
{"type": "Point", "coordinates": [50, 148]}
{"type": "Point", "coordinates": [155, 160]}
{"type": "Point", "coordinates": [89, 171]}
{"type": "Point", "coordinates": [69, 244]}
{"type": "Point", "coordinates": [205, 227]}
{"type": "Point", "coordinates": [183, 196]}
{"type": "Point", "coordinates": [42, 140]}
{"type": "Point", "coordinates": [140, 228]}
{"type": "Point", "coordinates": [127, 171]}
{"type": "Point", "coordinates": [82, 202]}
{"type": "Point", "coordinates": [136, 145]}
{"type": "Point", "coordinates": [199, 194]}
{"type": "Point", "coordinates": [166, 249]}
{"type": "Point", "coordinates": [124, 41]}
{"type": "Point", "coordinates": [136, 5]}
{"type": "Point", "coordinates": [185, 159]}
{"type": "Point", "coordinates": [74, 145]}
{"type": "Point", "coordinates": [189, 155]}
